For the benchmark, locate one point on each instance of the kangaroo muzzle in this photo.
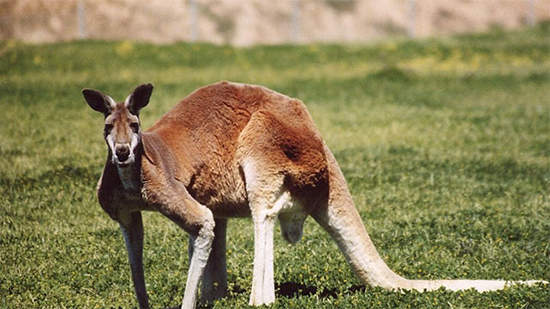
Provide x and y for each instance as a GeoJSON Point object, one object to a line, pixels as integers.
{"type": "Point", "coordinates": [122, 153]}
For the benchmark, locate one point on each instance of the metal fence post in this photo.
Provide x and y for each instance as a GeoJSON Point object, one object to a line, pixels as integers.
{"type": "Point", "coordinates": [411, 31]}
{"type": "Point", "coordinates": [531, 17]}
{"type": "Point", "coordinates": [296, 21]}
{"type": "Point", "coordinates": [193, 29]}
{"type": "Point", "coordinates": [81, 19]}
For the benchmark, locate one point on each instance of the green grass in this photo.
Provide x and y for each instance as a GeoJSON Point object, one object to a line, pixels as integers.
{"type": "Point", "coordinates": [445, 144]}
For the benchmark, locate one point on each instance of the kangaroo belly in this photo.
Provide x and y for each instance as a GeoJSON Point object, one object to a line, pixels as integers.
{"type": "Point", "coordinates": [222, 192]}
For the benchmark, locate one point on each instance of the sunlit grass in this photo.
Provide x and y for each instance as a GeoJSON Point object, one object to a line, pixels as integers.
{"type": "Point", "coordinates": [445, 145]}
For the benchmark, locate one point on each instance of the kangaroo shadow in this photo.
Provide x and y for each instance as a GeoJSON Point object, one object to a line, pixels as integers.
{"type": "Point", "coordinates": [293, 289]}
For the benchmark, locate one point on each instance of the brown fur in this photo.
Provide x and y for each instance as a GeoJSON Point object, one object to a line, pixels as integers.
{"type": "Point", "coordinates": [234, 150]}
{"type": "Point", "coordinates": [204, 134]}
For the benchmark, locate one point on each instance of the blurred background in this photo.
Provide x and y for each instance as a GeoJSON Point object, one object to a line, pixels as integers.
{"type": "Point", "coordinates": [250, 22]}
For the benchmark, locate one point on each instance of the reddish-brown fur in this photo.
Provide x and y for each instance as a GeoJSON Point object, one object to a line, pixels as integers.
{"type": "Point", "coordinates": [234, 150]}
{"type": "Point", "coordinates": [202, 135]}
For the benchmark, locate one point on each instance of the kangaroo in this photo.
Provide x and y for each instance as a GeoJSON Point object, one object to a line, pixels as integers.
{"type": "Point", "coordinates": [234, 150]}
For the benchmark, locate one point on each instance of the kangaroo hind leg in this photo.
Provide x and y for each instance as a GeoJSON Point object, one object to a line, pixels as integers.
{"type": "Point", "coordinates": [266, 197]}
{"type": "Point", "coordinates": [270, 154]}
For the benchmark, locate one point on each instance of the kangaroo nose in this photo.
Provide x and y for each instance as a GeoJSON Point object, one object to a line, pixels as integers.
{"type": "Point", "coordinates": [122, 152]}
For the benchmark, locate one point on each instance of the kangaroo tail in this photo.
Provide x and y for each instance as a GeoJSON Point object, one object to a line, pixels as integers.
{"type": "Point", "coordinates": [342, 221]}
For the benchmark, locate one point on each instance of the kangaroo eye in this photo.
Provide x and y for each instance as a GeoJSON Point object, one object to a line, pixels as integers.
{"type": "Point", "coordinates": [108, 129]}
{"type": "Point", "coordinates": [135, 127]}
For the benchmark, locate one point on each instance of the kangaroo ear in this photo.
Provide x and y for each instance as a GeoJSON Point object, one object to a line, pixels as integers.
{"type": "Point", "coordinates": [139, 98]}
{"type": "Point", "coordinates": [98, 101]}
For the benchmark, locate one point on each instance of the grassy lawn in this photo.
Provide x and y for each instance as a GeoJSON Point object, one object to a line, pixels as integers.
{"type": "Point", "coordinates": [445, 144]}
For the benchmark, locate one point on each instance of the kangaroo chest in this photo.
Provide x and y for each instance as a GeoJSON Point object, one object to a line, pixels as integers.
{"type": "Point", "coordinates": [129, 178]}
{"type": "Point", "coordinates": [129, 195]}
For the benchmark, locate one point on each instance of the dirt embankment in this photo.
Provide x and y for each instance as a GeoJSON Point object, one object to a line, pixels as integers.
{"type": "Point", "coordinates": [258, 21]}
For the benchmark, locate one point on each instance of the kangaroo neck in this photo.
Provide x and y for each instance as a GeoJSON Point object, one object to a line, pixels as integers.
{"type": "Point", "coordinates": [130, 175]}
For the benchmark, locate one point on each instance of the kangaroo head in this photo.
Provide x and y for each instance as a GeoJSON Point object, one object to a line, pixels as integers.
{"type": "Point", "coordinates": [122, 129]}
